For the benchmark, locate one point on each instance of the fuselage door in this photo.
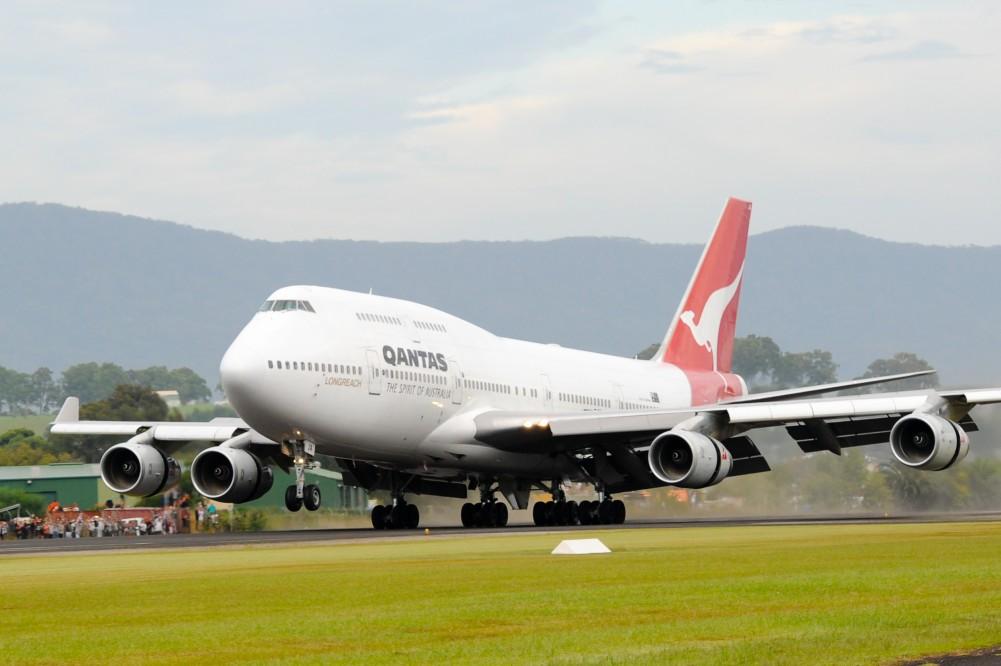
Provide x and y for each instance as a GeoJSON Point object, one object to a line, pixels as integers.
{"type": "Point", "coordinates": [374, 372]}
{"type": "Point", "coordinates": [547, 392]}
{"type": "Point", "coordinates": [457, 389]}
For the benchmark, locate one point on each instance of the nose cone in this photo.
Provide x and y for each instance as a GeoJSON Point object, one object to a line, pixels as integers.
{"type": "Point", "coordinates": [242, 373]}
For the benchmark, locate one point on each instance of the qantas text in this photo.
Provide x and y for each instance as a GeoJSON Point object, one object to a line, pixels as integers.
{"type": "Point", "coordinates": [415, 358]}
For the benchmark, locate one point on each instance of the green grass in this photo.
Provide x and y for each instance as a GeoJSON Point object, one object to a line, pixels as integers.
{"type": "Point", "coordinates": [779, 595]}
{"type": "Point", "coordinates": [37, 423]}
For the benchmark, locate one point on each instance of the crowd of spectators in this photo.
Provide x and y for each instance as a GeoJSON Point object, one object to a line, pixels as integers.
{"type": "Point", "coordinates": [69, 522]}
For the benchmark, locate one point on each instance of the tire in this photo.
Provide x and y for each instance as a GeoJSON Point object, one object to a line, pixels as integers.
{"type": "Point", "coordinates": [486, 514]}
{"type": "Point", "coordinates": [585, 513]}
{"type": "Point", "coordinates": [573, 515]}
{"type": "Point", "coordinates": [398, 517]}
{"type": "Point", "coordinates": [413, 515]}
{"type": "Point", "coordinates": [292, 503]}
{"type": "Point", "coordinates": [605, 513]}
{"type": "Point", "coordinates": [618, 512]}
{"type": "Point", "coordinates": [500, 514]}
{"type": "Point", "coordinates": [550, 513]}
{"type": "Point", "coordinates": [379, 517]}
{"type": "Point", "coordinates": [468, 515]}
{"type": "Point", "coordinates": [311, 497]}
{"type": "Point", "coordinates": [561, 513]}
{"type": "Point", "coordinates": [539, 514]}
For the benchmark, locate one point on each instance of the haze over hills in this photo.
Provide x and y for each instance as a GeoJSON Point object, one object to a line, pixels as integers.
{"type": "Point", "coordinates": [82, 285]}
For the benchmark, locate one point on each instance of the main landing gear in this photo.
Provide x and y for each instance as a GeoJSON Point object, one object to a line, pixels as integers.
{"type": "Point", "coordinates": [563, 512]}
{"type": "Point", "coordinates": [488, 512]}
{"type": "Point", "coordinates": [399, 515]}
{"type": "Point", "coordinates": [300, 493]}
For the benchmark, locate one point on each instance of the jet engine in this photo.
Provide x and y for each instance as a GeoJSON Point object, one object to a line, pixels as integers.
{"type": "Point", "coordinates": [689, 459]}
{"type": "Point", "coordinates": [926, 441]}
{"type": "Point", "coordinates": [229, 474]}
{"type": "Point", "coordinates": [137, 468]}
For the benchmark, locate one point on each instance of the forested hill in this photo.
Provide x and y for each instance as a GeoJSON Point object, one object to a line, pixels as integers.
{"type": "Point", "coordinates": [80, 286]}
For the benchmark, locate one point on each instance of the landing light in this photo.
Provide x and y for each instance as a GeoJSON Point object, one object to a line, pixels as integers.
{"type": "Point", "coordinates": [539, 423]}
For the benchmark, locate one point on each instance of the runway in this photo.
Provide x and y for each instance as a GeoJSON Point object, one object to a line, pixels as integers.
{"type": "Point", "coordinates": [151, 542]}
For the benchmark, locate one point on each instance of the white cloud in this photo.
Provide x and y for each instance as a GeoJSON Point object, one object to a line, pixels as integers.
{"type": "Point", "coordinates": [638, 129]}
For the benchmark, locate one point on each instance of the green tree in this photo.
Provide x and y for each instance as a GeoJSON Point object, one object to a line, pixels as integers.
{"type": "Point", "coordinates": [900, 363]}
{"type": "Point", "coordinates": [189, 385]}
{"type": "Point", "coordinates": [755, 358]}
{"type": "Point", "coordinates": [127, 402]}
{"type": "Point", "coordinates": [45, 391]}
{"type": "Point", "coordinates": [15, 391]}
{"type": "Point", "coordinates": [805, 369]}
{"type": "Point", "coordinates": [31, 503]}
{"type": "Point", "coordinates": [93, 381]}
{"type": "Point", "coordinates": [21, 446]}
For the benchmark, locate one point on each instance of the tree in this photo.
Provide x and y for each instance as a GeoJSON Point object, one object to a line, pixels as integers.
{"type": "Point", "coordinates": [900, 363]}
{"type": "Point", "coordinates": [31, 503]}
{"type": "Point", "coordinates": [15, 391]}
{"type": "Point", "coordinates": [755, 358]}
{"type": "Point", "coordinates": [21, 446]}
{"type": "Point", "coordinates": [127, 402]}
{"type": "Point", "coordinates": [805, 369]}
{"type": "Point", "coordinates": [45, 391]}
{"type": "Point", "coordinates": [93, 381]}
{"type": "Point", "coordinates": [190, 386]}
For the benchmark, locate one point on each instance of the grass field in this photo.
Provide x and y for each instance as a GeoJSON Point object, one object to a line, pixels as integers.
{"type": "Point", "coordinates": [32, 422]}
{"type": "Point", "coordinates": [798, 594]}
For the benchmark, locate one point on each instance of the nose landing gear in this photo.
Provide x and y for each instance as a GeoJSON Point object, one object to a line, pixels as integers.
{"type": "Point", "coordinates": [301, 493]}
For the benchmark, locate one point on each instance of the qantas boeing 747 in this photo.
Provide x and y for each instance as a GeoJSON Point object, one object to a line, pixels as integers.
{"type": "Point", "coordinates": [413, 401]}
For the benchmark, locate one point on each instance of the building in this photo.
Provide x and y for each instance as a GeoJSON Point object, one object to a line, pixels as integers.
{"type": "Point", "coordinates": [66, 483]}
{"type": "Point", "coordinates": [171, 398]}
{"type": "Point", "coordinates": [336, 495]}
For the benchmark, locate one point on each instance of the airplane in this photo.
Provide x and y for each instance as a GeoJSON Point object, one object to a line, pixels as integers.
{"type": "Point", "coordinates": [411, 400]}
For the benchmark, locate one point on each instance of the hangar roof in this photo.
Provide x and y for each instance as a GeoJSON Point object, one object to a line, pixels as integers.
{"type": "Point", "coordinates": [53, 471]}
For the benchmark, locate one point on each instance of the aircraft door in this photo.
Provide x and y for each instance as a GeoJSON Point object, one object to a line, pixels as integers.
{"type": "Point", "coordinates": [374, 372]}
{"type": "Point", "coordinates": [547, 392]}
{"type": "Point", "coordinates": [458, 392]}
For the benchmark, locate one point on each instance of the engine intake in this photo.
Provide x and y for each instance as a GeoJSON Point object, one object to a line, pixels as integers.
{"type": "Point", "coordinates": [138, 469]}
{"type": "Point", "coordinates": [689, 459]}
{"type": "Point", "coordinates": [926, 441]}
{"type": "Point", "coordinates": [227, 474]}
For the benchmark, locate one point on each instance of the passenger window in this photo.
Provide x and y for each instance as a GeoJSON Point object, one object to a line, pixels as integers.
{"type": "Point", "coordinates": [271, 365]}
{"type": "Point", "coordinates": [295, 365]}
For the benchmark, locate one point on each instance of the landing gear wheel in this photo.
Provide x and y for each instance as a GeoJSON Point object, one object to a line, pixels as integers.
{"type": "Point", "coordinates": [605, 512]}
{"type": "Point", "coordinates": [292, 503]}
{"type": "Point", "coordinates": [468, 515]}
{"type": "Point", "coordinates": [573, 513]}
{"type": "Point", "coordinates": [618, 512]}
{"type": "Point", "coordinates": [413, 516]}
{"type": "Point", "coordinates": [500, 514]}
{"type": "Point", "coordinates": [485, 510]}
{"type": "Point", "coordinates": [398, 516]}
{"type": "Point", "coordinates": [311, 497]}
{"type": "Point", "coordinates": [561, 513]}
{"type": "Point", "coordinates": [379, 517]}
{"type": "Point", "coordinates": [584, 512]}
{"type": "Point", "coordinates": [538, 514]}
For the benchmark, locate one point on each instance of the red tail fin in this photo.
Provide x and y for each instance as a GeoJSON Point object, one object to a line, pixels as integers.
{"type": "Point", "coordinates": [701, 335]}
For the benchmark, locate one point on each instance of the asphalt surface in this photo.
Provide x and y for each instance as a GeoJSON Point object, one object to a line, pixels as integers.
{"type": "Point", "coordinates": [33, 546]}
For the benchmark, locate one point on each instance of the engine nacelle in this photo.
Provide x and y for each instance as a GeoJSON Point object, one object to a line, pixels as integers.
{"type": "Point", "coordinates": [689, 459]}
{"type": "Point", "coordinates": [228, 474]}
{"type": "Point", "coordinates": [135, 468]}
{"type": "Point", "coordinates": [926, 441]}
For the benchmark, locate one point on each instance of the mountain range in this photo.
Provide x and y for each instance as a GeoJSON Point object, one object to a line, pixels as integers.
{"type": "Point", "coordinates": [81, 285]}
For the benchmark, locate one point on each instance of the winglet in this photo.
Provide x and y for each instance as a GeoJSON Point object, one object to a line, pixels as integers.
{"type": "Point", "coordinates": [70, 411]}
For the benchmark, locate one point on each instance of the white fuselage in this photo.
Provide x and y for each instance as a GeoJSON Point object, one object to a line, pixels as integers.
{"type": "Point", "coordinates": [398, 384]}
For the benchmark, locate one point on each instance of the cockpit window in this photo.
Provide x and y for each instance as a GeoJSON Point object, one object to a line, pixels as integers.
{"type": "Point", "coordinates": [278, 306]}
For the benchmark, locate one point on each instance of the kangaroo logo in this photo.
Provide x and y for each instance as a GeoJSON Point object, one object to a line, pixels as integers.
{"type": "Point", "coordinates": [706, 331]}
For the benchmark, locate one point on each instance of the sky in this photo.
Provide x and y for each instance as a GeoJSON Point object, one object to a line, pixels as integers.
{"type": "Point", "coordinates": [440, 121]}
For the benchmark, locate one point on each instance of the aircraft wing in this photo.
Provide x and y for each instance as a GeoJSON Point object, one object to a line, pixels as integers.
{"type": "Point", "coordinates": [217, 430]}
{"type": "Point", "coordinates": [618, 441]}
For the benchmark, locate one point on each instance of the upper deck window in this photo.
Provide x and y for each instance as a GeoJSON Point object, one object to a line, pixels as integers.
{"type": "Point", "coordinates": [278, 306]}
